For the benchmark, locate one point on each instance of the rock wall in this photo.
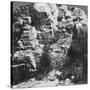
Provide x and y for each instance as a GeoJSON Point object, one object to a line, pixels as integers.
{"type": "Point", "coordinates": [45, 28]}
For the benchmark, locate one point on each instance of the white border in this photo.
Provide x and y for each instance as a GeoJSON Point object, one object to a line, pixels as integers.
{"type": "Point", "coordinates": [5, 42]}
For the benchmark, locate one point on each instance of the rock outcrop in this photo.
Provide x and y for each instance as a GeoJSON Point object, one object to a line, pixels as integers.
{"type": "Point", "coordinates": [45, 28]}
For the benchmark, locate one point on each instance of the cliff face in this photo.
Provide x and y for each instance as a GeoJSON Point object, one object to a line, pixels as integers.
{"type": "Point", "coordinates": [45, 29]}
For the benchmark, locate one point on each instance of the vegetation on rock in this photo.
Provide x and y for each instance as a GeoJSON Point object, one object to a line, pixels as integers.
{"type": "Point", "coordinates": [49, 38]}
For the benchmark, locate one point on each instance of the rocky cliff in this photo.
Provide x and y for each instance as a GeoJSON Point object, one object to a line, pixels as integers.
{"type": "Point", "coordinates": [43, 34]}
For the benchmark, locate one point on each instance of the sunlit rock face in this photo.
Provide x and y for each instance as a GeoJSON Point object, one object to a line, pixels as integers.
{"type": "Point", "coordinates": [45, 28]}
